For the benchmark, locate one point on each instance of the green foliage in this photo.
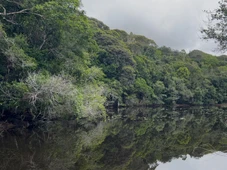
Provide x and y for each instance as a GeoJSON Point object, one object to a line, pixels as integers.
{"type": "Point", "coordinates": [54, 39]}
{"type": "Point", "coordinates": [50, 46]}
{"type": "Point", "coordinates": [12, 96]}
{"type": "Point", "coordinates": [183, 73]}
{"type": "Point", "coordinates": [113, 59]}
{"type": "Point", "coordinates": [142, 89]}
{"type": "Point", "coordinates": [159, 91]}
{"type": "Point", "coordinates": [93, 99]}
{"type": "Point", "coordinates": [16, 56]}
{"type": "Point", "coordinates": [127, 76]}
{"type": "Point", "coordinates": [53, 96]}
{"type": "Point", "coordinates": [216, 27]}
{"type": "Point", "coordinates": [96, 24]}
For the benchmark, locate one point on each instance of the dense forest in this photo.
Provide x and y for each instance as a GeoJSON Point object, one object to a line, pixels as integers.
{"type": "Point", "coordinates": [57, 62]}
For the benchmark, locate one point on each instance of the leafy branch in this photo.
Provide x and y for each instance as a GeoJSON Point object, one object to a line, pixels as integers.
{"type": "Point", "coordinates": [23, 11]}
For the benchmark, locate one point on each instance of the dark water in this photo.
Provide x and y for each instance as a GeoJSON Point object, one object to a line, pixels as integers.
{"type": "Point", "coordinates": [133, 139]}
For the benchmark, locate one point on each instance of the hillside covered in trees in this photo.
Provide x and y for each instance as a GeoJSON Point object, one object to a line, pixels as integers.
{"type": "Point", "coordinates": [57, 62]}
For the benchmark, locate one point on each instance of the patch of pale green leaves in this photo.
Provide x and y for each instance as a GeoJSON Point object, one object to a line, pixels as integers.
{"type": "Point", "coordinates": [53, 96]}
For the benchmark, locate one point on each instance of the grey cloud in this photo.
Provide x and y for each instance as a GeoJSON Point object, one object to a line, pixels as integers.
{"type": "Point", "coordinates": [174, 23]}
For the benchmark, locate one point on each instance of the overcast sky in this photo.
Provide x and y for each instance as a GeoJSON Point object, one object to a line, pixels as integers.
{"type": "Point", "coordinates": [173, 23]}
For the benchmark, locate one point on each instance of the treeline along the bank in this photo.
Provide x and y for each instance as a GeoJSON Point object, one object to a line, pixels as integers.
{"type": "Point", "coordinates": [57, 62]}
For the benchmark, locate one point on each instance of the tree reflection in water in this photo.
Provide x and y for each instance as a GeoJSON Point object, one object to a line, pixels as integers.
{"type": "Point", "coordinates": [134, 139]}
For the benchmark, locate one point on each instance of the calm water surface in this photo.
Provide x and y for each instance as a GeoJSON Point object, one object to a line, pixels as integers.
{"type": "Point", "coordinates": [132, 139]}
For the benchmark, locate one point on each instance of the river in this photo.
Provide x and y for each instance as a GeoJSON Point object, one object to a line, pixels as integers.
{"type": "Point", "coordinates": [183, 138]}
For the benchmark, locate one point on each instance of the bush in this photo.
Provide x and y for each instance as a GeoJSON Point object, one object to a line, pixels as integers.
{"type": "Point", "coordinates": [52, 96]}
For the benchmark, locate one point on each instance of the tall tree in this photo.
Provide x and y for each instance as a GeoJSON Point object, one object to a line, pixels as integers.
{"type": "Point", "coordinates": [217, 26]}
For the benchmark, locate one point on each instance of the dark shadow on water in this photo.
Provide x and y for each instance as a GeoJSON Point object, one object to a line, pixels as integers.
{"type": "Point", "coordinates": [132, 138]}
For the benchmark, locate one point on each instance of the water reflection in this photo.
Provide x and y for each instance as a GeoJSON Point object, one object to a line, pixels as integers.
{"type": "Point", "coordinates": [134, 139]}
{"type": "Point", "coordinates": [215, 161]}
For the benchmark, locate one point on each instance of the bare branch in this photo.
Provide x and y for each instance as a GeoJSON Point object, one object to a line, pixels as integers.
{"type": "Point", "coordinates": [44, 41]}
{"type": "Point", "coordinates": [10, 21]}
{"type": "Point", "coordinates": [35, 14]}
{"type": "Point", "coordinates": [4, 10]}
{"type": "Point", "coordinates": [5, 13]}
{"type": "Point", "coordinates": [12, 13]}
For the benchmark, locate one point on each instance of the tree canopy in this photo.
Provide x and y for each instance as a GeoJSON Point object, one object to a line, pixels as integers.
{"type": "Point", "coordinates": [55, 61]}
{"type": "Point", "coordinates": [216, 28]}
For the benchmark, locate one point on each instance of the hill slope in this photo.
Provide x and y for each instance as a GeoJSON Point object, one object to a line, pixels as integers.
{"type": "Point", "coordinates": [55, 62]}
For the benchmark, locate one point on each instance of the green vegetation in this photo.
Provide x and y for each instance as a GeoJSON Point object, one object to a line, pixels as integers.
{"type": "Point", "coordinates": [216, 28]}
{"type": "Point", "coordinates": [57, 62]}
{"type": "Point", "coordinates": [46, 69]}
